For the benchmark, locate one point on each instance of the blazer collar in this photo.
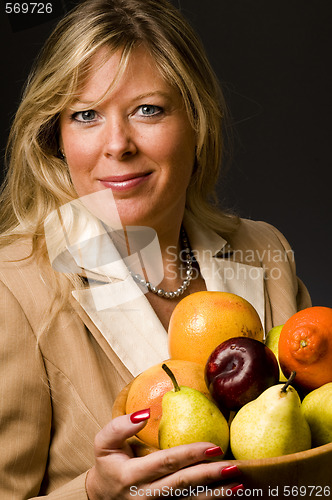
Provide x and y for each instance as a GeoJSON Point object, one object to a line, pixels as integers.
{"type": "Point", "coordinates": [201, 238]}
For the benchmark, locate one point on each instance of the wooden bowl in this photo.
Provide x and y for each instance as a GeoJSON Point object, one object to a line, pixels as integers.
{"type": "Point", "coordinates": [307, 474]}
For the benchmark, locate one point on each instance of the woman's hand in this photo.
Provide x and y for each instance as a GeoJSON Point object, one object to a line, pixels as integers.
{"type": "Point", "coordinates": [118, 475]}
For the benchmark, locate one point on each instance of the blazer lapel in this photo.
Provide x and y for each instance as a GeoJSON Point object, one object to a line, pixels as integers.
{"type": "Point", "coordinates": [102, 342]}
{"type": "Point", "coordinates": [132, 331]}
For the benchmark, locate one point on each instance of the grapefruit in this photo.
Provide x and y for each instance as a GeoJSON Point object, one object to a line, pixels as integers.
{"type": "Point", "coordinates": [203, 320]}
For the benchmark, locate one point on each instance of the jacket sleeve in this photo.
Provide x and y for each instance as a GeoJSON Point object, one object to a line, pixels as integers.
{"type": "Point", "coordinates": [303, 298]}
{"type": "Point", "coordinates": [25, 410]}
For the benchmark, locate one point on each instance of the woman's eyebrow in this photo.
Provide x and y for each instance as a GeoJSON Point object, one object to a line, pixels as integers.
{"type": "Point", "coordinates": [145, 95]}
{"type": "Point", "coordinates": [152, 94]}
{"type": "Point", "coordinates": [80, 101]}
{"type": "Point", "coordinates": [161, 93]}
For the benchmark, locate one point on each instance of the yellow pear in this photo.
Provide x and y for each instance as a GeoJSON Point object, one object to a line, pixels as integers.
{"type": "Point", "coordinates": [317, 409]}
{"type": "Point", "coordinates": [188, 416]}
{"type": "Point", "coordinates": [270, 426]}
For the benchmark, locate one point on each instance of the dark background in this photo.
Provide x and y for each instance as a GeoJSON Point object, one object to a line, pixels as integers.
{"type": "Point", "coordinates": [274, 61]}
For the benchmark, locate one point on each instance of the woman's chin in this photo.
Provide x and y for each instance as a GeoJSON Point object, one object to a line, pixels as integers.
{"type": "Point", "coordinates": [132, 213]}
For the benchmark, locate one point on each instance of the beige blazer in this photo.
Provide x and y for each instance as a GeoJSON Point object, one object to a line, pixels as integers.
{"type": "Point", "coordinates": [58, 384]}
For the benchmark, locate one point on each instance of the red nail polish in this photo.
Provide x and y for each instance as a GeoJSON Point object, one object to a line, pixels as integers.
{"type": "Point", "coordinates": [237, 488]}
{"type": "Point", "coordinates": [140, 416]}
{"type": "Point", "coordinates": [229, 472]}
{"type": "Point", "coordinates": [214, 451]}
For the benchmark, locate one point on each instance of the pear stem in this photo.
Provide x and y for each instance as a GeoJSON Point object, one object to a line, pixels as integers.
{"type": "Point", "coordinates": [289, 381]}
{"type": "Point", "coordinates": [172, 377]}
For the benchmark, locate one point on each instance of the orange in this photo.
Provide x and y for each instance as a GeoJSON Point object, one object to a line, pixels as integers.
{"type": "Point", "coordinates": [203, 320]}
{"type": "Point", "coordinates": [305, 346]}
{"type": "Point", "coordinates": [148, 388]}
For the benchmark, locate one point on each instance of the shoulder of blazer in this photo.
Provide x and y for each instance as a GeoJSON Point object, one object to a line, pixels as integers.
{"type": "Point", "coordinates": [16, 252]}
{"type": "Point", "coordinates": [252, 230]}
{"type": "Point", "coordinates": [256, 241]}
{"type": "Point", "coordinates": [26, 279]}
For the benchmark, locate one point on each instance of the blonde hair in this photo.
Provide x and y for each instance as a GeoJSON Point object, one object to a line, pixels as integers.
{"type": "Point", "coordinates": [38, 179]}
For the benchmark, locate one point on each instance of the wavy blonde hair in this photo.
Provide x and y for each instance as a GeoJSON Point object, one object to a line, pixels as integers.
{"type": "Point", "coordinates": [38, 180]}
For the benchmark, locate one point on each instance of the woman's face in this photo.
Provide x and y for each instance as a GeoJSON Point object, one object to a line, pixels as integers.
{"type": "Point", "coordinates": [137, 142]}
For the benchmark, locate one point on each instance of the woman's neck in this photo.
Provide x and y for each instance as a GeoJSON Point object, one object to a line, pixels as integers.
{"type": "Point", "coordinates": [173, 258]}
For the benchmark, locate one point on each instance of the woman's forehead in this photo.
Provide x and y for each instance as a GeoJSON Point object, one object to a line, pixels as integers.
{"type": "Point", "coordinates": [108, 71]}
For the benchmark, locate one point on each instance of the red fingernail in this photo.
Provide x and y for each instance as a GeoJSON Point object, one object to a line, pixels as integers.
{"type": "Point", "coordinates": [237, 488]}
{"type": "Point", "coordinates": [214, 451]}
{"type": "Point", "coordinates": [229, 472]}
{"type": "Point", "coordinates": [140, 416]}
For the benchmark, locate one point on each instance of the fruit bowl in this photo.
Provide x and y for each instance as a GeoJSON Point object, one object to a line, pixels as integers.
{"type": "Point", "coordinates": [300, 475]}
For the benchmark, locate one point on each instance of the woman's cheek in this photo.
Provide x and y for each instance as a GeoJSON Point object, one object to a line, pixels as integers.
{"type": "Point", "coordinates": [81, 153]}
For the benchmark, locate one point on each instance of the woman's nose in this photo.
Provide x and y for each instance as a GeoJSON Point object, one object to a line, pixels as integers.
{"type": "Point", "coordinates": [119, 141]}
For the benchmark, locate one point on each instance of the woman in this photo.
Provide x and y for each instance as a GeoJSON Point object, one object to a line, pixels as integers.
{"type": "Point", "coordinates": [118, 129]}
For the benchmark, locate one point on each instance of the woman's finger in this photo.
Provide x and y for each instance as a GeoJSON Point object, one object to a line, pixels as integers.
{"type": "Point", "coordinates": [164, 462]}
{"type": "Point", "coordinates": [186, 467]}
{"type": "Point", "coordinates": [112, 438]}
{"type": "Point", "coordinates": [108, 478]}
{"type": "Point", "coordinates": [195, 480]}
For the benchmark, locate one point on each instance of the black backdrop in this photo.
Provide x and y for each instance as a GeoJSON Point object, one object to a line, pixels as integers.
{"type": "Point", "coordinates": [274, 61]}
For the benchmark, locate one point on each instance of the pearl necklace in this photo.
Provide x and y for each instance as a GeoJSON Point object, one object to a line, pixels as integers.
{"type": "Point", "coordinates": [185, 283]}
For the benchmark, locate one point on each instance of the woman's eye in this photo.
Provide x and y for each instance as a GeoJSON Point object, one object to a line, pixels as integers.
{"type": "Point", "coordinates": [149, 110]}
{"type": "Point", "coordinates": [84, 116]}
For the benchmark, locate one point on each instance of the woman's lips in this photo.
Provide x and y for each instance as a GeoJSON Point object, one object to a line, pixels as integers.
{"type": "Point", "coordinates": [124, 182]}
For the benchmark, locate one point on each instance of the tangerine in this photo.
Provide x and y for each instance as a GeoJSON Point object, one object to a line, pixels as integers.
{"type": "Point", "coordinates": [305, 346]}
{"type": "Point", "coordinates": [203, 320]}
{"type": "Point", "coordinates": [148, 388]}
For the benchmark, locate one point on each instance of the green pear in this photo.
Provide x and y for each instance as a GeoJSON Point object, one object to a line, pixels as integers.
{"type": "Point", "coordinates": [272, 341]}
{"type": "Point", "coordinates": [188, 416]}
{"type": "Point", "coordinates": [271, 425]}
{"type": "Point", "coordinates": [317, 409]}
